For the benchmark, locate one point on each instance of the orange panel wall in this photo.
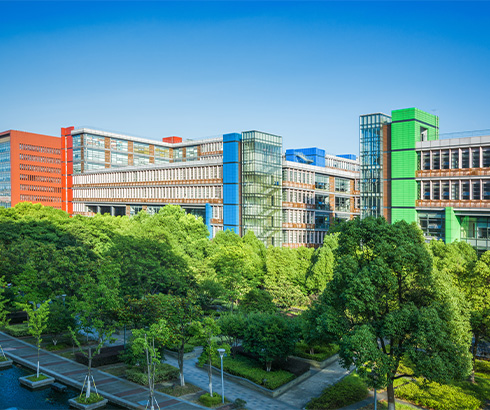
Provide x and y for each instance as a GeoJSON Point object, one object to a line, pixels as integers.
{"type": "Point", "coordinates": [35, 163]}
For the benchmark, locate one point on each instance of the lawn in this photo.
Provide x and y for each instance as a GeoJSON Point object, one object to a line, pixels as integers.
{"type": "Point", "coordinates": [383, 405]}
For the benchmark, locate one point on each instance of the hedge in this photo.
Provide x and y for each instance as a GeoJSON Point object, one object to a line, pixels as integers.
{"type": "Point", "coordinates": [322, 352]}
{"type": "Point", "coordinates": [482, 366]}
{"type": "Point", "coordinates": [252, 370]}
{"type": "Point", "coordinates": [17, 330]}
{"type": "Point", "coordinates": [163, 372]}
{"type": "Point", "coordinates": [349, 390]}
{"type": "Point", "coordinates": [209, 401]}
{"type": "Point", "coordinates": [107, 355]}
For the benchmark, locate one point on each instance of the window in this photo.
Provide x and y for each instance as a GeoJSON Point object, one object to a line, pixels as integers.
{"type": "Point", "coordinates": [436, 163]}
{"type": "Point", "coordinates": [455, 159]}
{"type": "Point", "coordinates": [475, 158]}
{"type": "Point", "coordinates": [465, 158]}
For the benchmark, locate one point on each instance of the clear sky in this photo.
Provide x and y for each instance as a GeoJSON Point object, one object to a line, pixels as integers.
{"type": "Point", "coordinates": [303, 70]}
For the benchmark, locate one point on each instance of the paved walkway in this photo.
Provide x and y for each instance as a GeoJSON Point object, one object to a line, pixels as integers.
{"type": "Point", "coordinates": [294, 399]}
{"type": "Point", "coordinates": [117, 390]}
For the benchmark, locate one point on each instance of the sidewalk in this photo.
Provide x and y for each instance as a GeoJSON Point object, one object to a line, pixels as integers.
{"type": "Point", "coordinates": [119, 391]}
{"type": "Point", "coordinates": [294, 399]}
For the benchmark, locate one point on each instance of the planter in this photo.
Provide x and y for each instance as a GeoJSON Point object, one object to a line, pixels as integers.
{"type": "Point", "coordinates": [36, 385]}
{"type": "Point", "coordinates": [91, 406]}
{"type": "Point", "coordinates": [5, 363]}
{"type": "Point", "coordinates": [319, 365]}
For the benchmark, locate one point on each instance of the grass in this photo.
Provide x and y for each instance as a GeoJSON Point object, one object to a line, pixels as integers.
{"type": "Point", "coordinates": [321, 352]}
{"type": "Point", "coordinates": [37, 379]}
{"type": "Point", "coordinates": [178, 391]}
{"type": "Point", "coordinates": [3, 359]}
{"type": "Point", "coordinates": [461, 395]}
{"type": "Point", "coordinates": [254, 371]}
{"type": "Point", "coordinates": [93, 398]}
{"type": "Point", "coordinates": [383, 405]}
{"type": "Point", "coordinates": [349, 390]}
{"type": "Point", "coordinates": [163, 372]}
{"type": "Point", "coordinates": [59, 346]}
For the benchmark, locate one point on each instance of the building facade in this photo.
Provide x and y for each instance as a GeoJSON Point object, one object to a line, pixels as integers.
{"type": "Point", "coordinates": [30, 169]}
{"type": "Point", "coordinates": [236, 181]}
{"type": "Point", "coordinates": [443, 184]}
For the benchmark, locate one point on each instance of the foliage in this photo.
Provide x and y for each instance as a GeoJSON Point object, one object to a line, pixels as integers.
{"type": "Point", "coordinates": [210, 401]}
{"type": "Point", "coordinates": [257, 300]}
{"type": "Point", "coordinates": [349, 390]}
{"type": "Point", "coordinates": [482, 366]}
{"type": "Point", "coordinates": [22, 329]}
{"type": "Point", "coordinates": [232, 327]}
{"type": "Point", "coordinates": [60, 319]}
{"type": "Point", "coordinates": [321, 268]}
{"type": "Point", "coordinates": [384, 292]}
{"type": "Point", "coordinates": [321, 352]}
{"type": "Point", "coordinates": [93, 398]}
{"type": "Point", "coordinates": [37, 321]}
{"type": "Point", "coordinates": [252, 370]}
{"type": "Point", "coordinates": [178, 391]}
{"type": "Point", "coordinates": [270, 337]}
{"type": "Point", "coordinates": [3, 304]}
{"type": "Point", "coordinates": [163, 372]}
{"type": "Point", "coordinates": [437, 396]}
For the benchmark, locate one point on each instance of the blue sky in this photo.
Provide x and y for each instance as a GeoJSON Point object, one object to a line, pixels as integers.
{"type": "Point", "coordinates": [305, 71]}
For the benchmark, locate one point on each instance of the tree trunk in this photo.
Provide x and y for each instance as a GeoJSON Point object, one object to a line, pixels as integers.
{"type": "Point", "coordinates": [391, 396]}
{"type": "Point", "coordinates": [210, 374]}
{"type": "Point", "coordinates": [87, 395]}
{"type": "Point", "coordinates": [312, 350]}
{"type": "Point", "coordinates": [474, 350]}
{"type": "Point", "coordinates": [268, 365]}
{"type": "Point", "coordinates": [181, 364]}
{"type": "Point", "coordinates": [37, 371]}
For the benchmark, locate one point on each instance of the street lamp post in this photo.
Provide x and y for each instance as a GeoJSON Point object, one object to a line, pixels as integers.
{"type": "Point", "coordinates": [221, 354]}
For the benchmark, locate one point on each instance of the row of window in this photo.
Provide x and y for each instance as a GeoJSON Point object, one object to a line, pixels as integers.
{"type": "Point", "coordinates": [294, 195]}
{"type": "Point", "coordinates": [38, 148]}
{"type": "Point", "coordinates": [39, 178]}
{"type": "Point", "coordinates": [341, 164]}
{"type": "Point", "coordinates": [299, 216]}
{"type": "Point", "coordinates": [300, 176]}
{"type": "Point", "coordinates": [186, 192]}
{"type": "Point", "coordinates": [39, 188]}
{"type": "Point", "coordinates": [36, 168]}
{"type": "Point", "coordinates": [454, 190]}
{"type": "Point", "coordinates": [459, 158]}
{"type": "Point", "coordinates": [37, 158]}
{"type": "Point", "coordinates": [40, 198]}
{"type": "Point", "coordinates": [303, 237]}
{"type": "Point", "coordinates": [152, 175]}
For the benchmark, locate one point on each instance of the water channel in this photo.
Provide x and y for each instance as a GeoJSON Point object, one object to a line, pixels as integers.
{"type": "Point", "coordinates": [12, 394]}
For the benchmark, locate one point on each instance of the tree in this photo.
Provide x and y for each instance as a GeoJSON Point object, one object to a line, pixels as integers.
{"type": "Point", "coordinates": [205, 332]}
{"type": "Point", "coordinates": [182, 312]}
{"type": "Point", "coordinates": [232, 326]}
{"type": "Point", "coordinates": [37, 322]}
{"type": "Point", "coordinates": [144, 343]}
{"type": "Point", "coordinates": [385, 302]}
{"type": "Point", "coordinates": [270, 337]}
{"type": "Point", "coordinates": [4, 321]}
{"type": "Point", "coordinates": [321, 268]}
{"type": "Point", "coordinates": [60, 319]}
{"type": "Point", "coordinates": [258, 300]}
{"type": "Point", "coordinates": [95, 313]}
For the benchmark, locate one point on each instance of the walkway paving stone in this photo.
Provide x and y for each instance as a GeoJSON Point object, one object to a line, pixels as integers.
{"type": "Point", "coordinates": [67, 371]}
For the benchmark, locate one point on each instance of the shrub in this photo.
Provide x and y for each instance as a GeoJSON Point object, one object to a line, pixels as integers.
{"type": "Point", "coordinates": [3, 359]}
{"type": "Point", "coordinates": [93, 398]}
{"type": "Point", "coordinates": [349, 390]}
{"type": "Point", "coordinates": [163, 372]}
{"type": "Point", "coordinates": [17, 330]}
{"type": "Point", "coordinates": [258, 300]}
{"type": "Point", "coordinates": [209, 401]}
{"type": "Point", "coordinates": [482, 366]}
{"type": "Point", "coordinates": [321, 352]}
{"type": "Point", "coordinates": [437, 396]}
{"type": "Point", "coordinates": [107, 355]}
{"type": "Point", "coordinates": [252, 370]}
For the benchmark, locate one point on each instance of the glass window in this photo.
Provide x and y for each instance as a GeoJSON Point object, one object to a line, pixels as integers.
{"type": "Point", "coordinates": [342, 185]}
{"type": "Point", "coordinates": [465, 158]}
{"type": "Point", "coordinates": [445, 160]}
{"type": "Point", "coordinates": [476, 189]}
{"type": "Point", "coordinates": [436, 163]}
{"type": "Point", "coordinates": [119, 145]}
{"type": "Point", "coordinates": [426, 191]}
{"type": "Point", "coordinates": [455, 159]}
{"type": "Point", "coordinates": [76, 140]}
{"type": "Point", "coordinates": [141, 148]}
{"type": "Point", "coordinates": [465, 190]}
{"type": "Point", "coordinates": [94, 155]}
{"type": "Point", "coordinates": [119, 159]}
{"type": "Point", "coordinates": [162, 152]}
{"type": "Point", "coordinates": [322, 182]}
{"type": "Point", "coordinates": [77, 154]}
{"type": "Point", "coordinates": [445, 191]}
{"type": "Point", "coordinates": [455, 190]}
{"type": "Point", "coordinates": [191, 152]}
{"type": "Point", "coordinates": [475, 158]}
{"type": "Point", "coordinates": [342, 204]}
{"type": "Point", "coordinates": [140, 160]}
{"type": "Point", "coordinates": [426, 160]}
{"type": "Point", "coordinates": [486, 190]}
{"type": "Point", "coordinates": [94, 141]}
{"type": "Point", "coordinates": [436, 193]}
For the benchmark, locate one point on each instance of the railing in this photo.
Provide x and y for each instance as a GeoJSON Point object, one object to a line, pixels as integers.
{"type": "Point", "coordinates": [466, 172]}
{"type": "Point", "coordinates": [424, 203]}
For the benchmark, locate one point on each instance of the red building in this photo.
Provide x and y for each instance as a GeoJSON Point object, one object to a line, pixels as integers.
{"type": "Point", "coordinates": [30, 169]}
